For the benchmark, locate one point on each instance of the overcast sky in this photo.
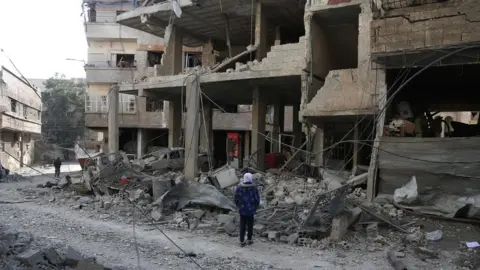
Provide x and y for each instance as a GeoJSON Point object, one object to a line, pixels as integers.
{"type": "Point", "coordinates": [39, 35]}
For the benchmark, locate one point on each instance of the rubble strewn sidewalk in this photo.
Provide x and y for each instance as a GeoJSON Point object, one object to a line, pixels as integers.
{"type": "Point", "coordinates": [328, 211]}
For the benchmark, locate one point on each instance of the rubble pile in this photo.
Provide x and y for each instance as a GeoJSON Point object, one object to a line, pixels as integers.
{"type": "Point", "coordinates": [19, 250]}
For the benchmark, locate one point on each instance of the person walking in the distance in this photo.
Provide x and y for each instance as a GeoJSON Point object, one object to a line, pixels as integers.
{"type": "Point", "coordinates": [247, 199]}
{"type": "Point", "coordinates": [57, 164]}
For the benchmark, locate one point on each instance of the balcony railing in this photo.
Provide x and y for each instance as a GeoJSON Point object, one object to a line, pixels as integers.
{"type": "Point", "coordinates": [99, 104]}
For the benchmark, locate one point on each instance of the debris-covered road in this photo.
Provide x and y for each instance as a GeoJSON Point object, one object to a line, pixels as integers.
{"type": "Point", "coordinates": [113, 244]}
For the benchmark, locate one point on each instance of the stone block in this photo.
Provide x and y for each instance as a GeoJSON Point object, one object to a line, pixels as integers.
{"type": "Point", "coordinates": [52, 256]}
{"type": "Point", "coordinates": [86, 265]}
{"type": "Point", "coordinates": [73, 257]}
{"type": "Point", "coordinates": [30, 257]}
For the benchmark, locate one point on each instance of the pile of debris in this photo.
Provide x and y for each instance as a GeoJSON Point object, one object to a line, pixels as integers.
{"type": "Point", "coordinates": [18, 250]}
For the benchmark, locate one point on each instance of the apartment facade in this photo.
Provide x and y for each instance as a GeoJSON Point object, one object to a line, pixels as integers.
{"type": "Point", "coordinates": [20, 123]}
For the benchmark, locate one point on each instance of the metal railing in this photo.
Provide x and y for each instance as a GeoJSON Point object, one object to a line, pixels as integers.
{"type": "Point", "coordinates": [99, 104]}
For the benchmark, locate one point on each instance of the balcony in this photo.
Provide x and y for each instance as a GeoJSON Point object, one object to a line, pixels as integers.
{"type": "Point", "coordinates": [13, 122]}
{"type": "Point", "coordinates": [107, 30]}
{"type": "Point", "coordinates": [105, 74]}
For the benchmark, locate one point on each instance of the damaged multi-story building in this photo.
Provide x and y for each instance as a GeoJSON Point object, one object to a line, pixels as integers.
{"type": "Point", "coordinates": [20, 123]}
{"type": "Point", "coordinates": [428, 51]}
{"type": "Point", "coordinates": [120, 54]}
{"type": "Point", "coordinates": [347, 68]}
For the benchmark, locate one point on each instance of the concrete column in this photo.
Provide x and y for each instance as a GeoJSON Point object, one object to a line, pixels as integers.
{"type": "Point", "coordinates": [246, 147]}
{"type": "Point", "coordinates": [278, 36]}
{"type": "Point", "coordinates": [261, 29]}
{"type": "Point", "coordinates": [113, 130]}
{"type": "Point", "coordinates": [296, 127]}
{"type": "Point", "coordinates": [192, 127]}
{"type": "Point", "coordinates": [318, 145]}
{"type": "Point", "coordinates": [259, 109]}
{"type": "Point", "coordinates": [206, 131]}
{"type": "Point", "coordinates": [141, 142]}
{"type": "Point", "coordinates": [173, 55]}
{"type": "Point", "coordinates": [355, 147]}
{"type": "Point", "coordinates": [278, 124]}
{"type": "Point", "coordinates": [174, 123]}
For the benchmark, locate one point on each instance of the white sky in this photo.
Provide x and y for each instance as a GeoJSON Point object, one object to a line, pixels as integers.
{"type": "Point", "coordinates": [38, 36]}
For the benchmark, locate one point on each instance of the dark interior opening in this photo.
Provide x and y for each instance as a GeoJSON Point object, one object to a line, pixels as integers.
{"type": "Point", "coordinates": [424, 100]}
{"type": "Point", "coordinates": [336, 31]}
{"type": "Point", "coordinates": [193, 60]}
{"type": "Point", "coordinates": [125, 60]}
{"type": "Point", "coordinates": [154, 58]}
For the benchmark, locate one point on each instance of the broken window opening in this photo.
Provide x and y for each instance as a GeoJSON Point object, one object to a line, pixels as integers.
{"type": "Point", "coordinates": [154, 105]}
{"type": "Point", "coordinates": [92, 12]}
{"type": "Point", "coordinates": [25, 113]}
{"type": "Point", "coordinates": [13, 105]}
{"type": "Point", "coordinates": [154, 58]}
{"type": "Point", "coordinates": [193, 60]}
{"type": "Point", "coordinates": [125, 60]}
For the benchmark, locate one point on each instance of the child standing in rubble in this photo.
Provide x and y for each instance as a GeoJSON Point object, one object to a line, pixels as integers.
{"type": "Point", "coordinates": [247, 199]}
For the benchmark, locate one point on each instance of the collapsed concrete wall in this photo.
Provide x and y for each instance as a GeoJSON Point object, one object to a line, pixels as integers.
{"type": "Point", "coordinates": [345, 92]}
{"type": "Point", "coordinates": [286, 56]}
{"type": "Point", "coordinates": [349, 91]}
{"type": "Point", "coordinates": [427, 26]}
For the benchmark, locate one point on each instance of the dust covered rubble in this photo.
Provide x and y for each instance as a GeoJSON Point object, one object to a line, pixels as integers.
{"type": "Point", "coordinates": [286, 203]}
{"type": "Point", "coordinates": [19, 250]}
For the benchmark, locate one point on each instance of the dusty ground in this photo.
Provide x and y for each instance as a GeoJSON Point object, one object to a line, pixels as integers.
{"type": "Point", "coordinates": [115, 242]}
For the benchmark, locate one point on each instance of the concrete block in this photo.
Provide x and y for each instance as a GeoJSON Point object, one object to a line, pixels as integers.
{"type": "Point", "coordinates": [433, 37]}
{"type": "Point", "coordinates": [52, 256]}
{"type": "Point", "coordinates": [273, 235]}
{"type": "Point", "coordinates": [73, 257]}
{"type": "Point", "coordinates": [224, 219]}
{"type": "Point", "coordinates": [419, 26]}
{"type": "Point", "coordinates": [397, 46]}
{"type": "Point", "coordinates": [339, 227]}
{"type": "Point", "coordinates": [292, 238]}
{"type": "Point", "coordinates": [395, 21]}
{"type": "Point", "coordinates": [230, 227]}
{"type": "Point", "coordinates": [378, 23]}
{"type": "Point", "coordinates": [450, 39]}
{"type": "Point", "coordinates": [386, 30]}
{"type": "Point", "coordinates": [469, 37]}
{"type": "Point", "coordinates": [30, 257]}
{"type": "Point", "coordinates": [156, 215]}
{"type": "Point", "coordinates": [437, 23]}
{"type": "Point", "coordinates": [85, 265]}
